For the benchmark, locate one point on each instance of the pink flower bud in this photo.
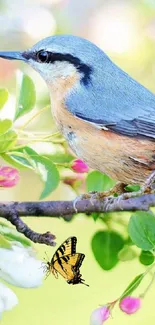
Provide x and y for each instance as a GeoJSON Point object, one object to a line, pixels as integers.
{"type": "Point", "coordinates": [8, 176]}
{"type": "Point", "coordinates": [72, 180]}
{"type": "Point", "coordinates": [99, 315]}
{"type": "Point", "coordinates": [79, 166]}
{"type": "Point", "coordinates": [130, 305]}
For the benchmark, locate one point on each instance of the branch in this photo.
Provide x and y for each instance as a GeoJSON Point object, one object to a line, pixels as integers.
{"type": "Point", "coordinates": [57, 209]}
{"type": "Point", "coordinates": [21, 227]}
{"type": "Point", "coordinates": [12, 211]}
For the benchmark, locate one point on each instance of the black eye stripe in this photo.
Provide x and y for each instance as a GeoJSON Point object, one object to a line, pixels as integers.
{"type": "Point", "coordinates": [44, 56]}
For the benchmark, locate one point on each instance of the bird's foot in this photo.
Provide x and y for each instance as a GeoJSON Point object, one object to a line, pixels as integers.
{"type": "Point", "coordinates": [92, 196]}
{"type": "Point", "coordinates": [85, 196]}
{"type": "Point", "coordinates": [119, 189]}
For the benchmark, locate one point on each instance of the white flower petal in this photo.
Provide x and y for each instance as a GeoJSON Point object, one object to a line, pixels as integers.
{"type": "Point", "coordinates": [1, 305]}
{"type": "Point", "coordinates": [18, 266]}
{"type": "Point", "coordinates": [8, 299]}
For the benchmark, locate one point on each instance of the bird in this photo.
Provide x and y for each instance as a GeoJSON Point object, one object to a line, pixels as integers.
{"type": "Point", "coordinates": [107, 117]}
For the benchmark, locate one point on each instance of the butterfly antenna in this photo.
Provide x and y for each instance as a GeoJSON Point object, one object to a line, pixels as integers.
{"type": "Point", "coordinates": [47, 257]}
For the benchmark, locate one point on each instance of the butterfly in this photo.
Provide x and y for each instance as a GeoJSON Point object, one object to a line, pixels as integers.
{"type": "Point", "coordinates": [67, 262]}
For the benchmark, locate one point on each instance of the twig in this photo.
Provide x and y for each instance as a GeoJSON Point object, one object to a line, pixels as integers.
{"type": "Point", "coordinates": [46, 238]}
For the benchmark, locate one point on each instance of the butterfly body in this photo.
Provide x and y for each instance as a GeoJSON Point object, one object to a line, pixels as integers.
{"type": "Point", "coordinates": [67, 262]}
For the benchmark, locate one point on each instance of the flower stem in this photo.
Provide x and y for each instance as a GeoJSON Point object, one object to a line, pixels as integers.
{"type": "Point", "coordinates": [33, 117]}
{"type": "Point", "coordinates": [148, 287]}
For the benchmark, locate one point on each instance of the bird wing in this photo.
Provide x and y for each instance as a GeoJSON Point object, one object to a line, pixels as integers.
{"type": "Point", "coordinates": [116, 101]}
{"type": "Point", "coordinates": [134, 127]}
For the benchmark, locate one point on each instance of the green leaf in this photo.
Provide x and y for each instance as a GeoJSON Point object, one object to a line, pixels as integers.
{"type": "Point", "coordinates": [19, 158]}
{"type": "Point", "coordinates": [17, 163]}
{"type": "Point", "coordinates": [12, 235]}
{"type": "Point", "coordinates": [45, 168]}
{"type": "Point", "coordinates": [99, 182]}
{"type": "Point", "coordinates": [3, 97]}
{"type": "Point", "coordinates": [146, 258]}
{"type": "Point", "coordinates": [49, 175]}
{"type": "Point", "coordinates": [5, 125]}
{"type": "Point", "coordinates": [132, 188]}
{"type": "Point", "coordinates": [4, 243]}
{"type": "Point", "coordinates": [95, 215]}
{"type": "Point", "coordinates": [22, 240]}
{"type": "Point", "coordinates": [133, 286]}
{"type": "Point", "coordinates": [142, 230]}
{"type": "Point", "coordinates": [106, 246]}
{"type": "Point", "coordinates": [126, 254]}
{"type": "Point", "coordinates": [27, 95]}
{"type": "Point", "coordinates": [48, 172]}
{"type": "Point", "coordinates": [8, 141]}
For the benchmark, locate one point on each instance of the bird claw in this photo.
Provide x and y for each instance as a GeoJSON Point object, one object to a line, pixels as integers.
{"type": "Point", "coordinates": [78, 198]}
{"type": "Point", "coordinates": [109, 201]}
{"type": "Point", "coordinates": [87, 196]}
{"type": "Point", "coordinates": [93, 196]}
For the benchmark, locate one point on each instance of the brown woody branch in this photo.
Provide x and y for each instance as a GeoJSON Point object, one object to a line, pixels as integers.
{"type": "Point", "coordinates": [12, 211]}
{"type": "Point", "coordinates": [47, 238]}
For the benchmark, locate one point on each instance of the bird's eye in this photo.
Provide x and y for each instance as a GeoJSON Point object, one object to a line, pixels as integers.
{"type": "Point", "coordinates": [42, 56]}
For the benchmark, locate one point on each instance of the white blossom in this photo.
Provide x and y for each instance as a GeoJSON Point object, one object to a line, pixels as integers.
{"type": "Point", "coordinates": [8, 299]}
{"type": "Point", "coordinates": [19, 266]}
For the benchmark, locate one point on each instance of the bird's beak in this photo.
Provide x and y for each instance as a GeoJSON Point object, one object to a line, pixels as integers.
{"type": "Point", "coordinates": [12, 55]}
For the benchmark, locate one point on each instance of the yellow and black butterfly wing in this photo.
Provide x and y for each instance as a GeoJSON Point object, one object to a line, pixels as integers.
{"type": "Point", "coordinates": [76, 260]}
{"type": "Point", "coordinates": [64, 269]}
{"type": "Point", "coordinates": [68, 265]}
{"type": "Point", "coordinates": [68, 247]}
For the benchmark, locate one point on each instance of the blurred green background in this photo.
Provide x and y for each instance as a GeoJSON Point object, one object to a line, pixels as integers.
{"type": "Point", "coordinates": [125, 30]}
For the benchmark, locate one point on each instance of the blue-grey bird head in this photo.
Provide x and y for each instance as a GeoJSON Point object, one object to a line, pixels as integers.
{"type": "Point", "coordinates": [60, 56]}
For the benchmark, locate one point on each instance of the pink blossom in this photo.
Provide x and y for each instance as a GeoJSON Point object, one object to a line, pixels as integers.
{"type": "Point", "coordinates": [79, 166]}
{"type": "Point", "coordinates": [99, 315]}
{"type": "Point", "coordinates": [130, 304]}
{"type": "Point", "coordinates": [8, 176]}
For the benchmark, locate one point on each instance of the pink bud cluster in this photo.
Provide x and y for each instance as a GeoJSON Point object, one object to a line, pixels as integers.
{"type": "Point", "coordinates": [79, 166]}
{"type": "Point", "coordinates": [8, 176]}
{"type": "Point", "coordinates": [128, 305]}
